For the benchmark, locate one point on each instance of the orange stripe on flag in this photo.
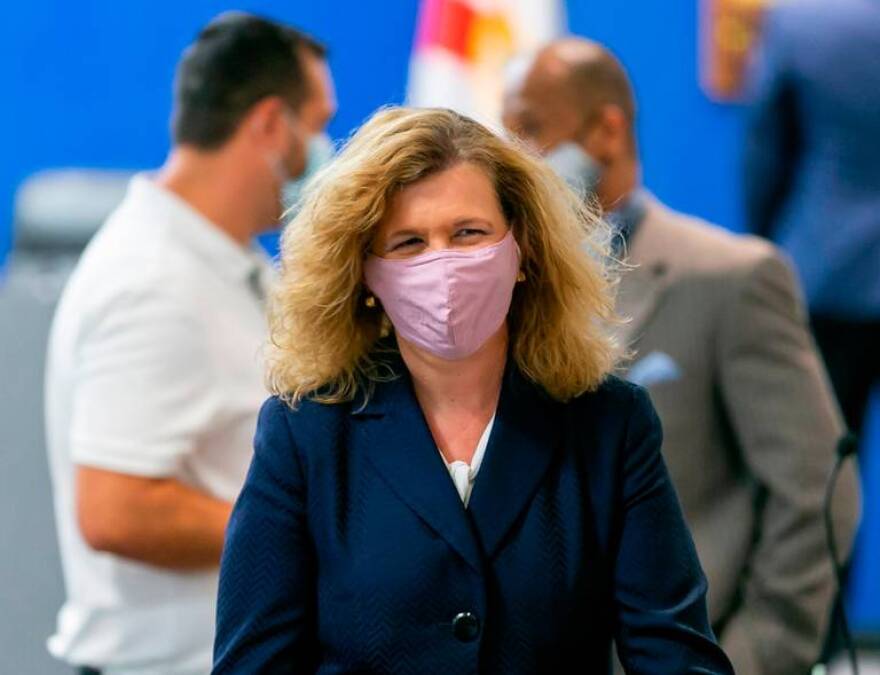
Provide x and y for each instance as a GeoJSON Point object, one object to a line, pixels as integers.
{"type": "Point", "coordinates": [445, 24]}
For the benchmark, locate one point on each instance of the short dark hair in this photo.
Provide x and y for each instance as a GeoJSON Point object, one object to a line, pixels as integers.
{"type": "Point", "coordinates": [237, 60]}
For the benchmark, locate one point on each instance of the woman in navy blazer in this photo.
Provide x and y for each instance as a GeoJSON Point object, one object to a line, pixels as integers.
{"type": "Point", "coordinates": [448, 479]}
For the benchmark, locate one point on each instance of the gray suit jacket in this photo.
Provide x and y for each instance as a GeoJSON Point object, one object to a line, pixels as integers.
{"type": "Point", "coordinates": [720, 340]}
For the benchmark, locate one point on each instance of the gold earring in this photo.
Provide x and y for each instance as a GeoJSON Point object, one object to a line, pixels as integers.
{"type": "Point", "coordinates": [521, 276]}
{"type": "Point", "coordinates": [370, 301]}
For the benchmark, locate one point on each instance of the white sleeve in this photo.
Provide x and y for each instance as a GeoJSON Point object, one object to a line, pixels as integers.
{"type": "Point", "coordinates": [143, 394]}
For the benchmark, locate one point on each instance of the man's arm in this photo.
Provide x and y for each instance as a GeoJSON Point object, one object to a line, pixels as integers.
{"type": "Point", "coordinates": [788, 425]}
{"type": "Point", "coordinates": [144, 400]}
{"type": "Point", "coordinates": [772, 143]}
{"type": "Point", "coordinates": [159, 521]}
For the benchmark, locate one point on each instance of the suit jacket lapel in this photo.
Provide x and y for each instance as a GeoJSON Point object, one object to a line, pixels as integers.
{"type": "Point", "coordinates": [526, 434]}
{"type": "Point", "coordinates": [400, 446]}
{"type": "Point", "coordinates": [642, 287]}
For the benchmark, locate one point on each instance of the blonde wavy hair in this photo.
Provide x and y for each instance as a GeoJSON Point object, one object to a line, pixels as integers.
{"type": "Point", "coordinates": [323, 336]}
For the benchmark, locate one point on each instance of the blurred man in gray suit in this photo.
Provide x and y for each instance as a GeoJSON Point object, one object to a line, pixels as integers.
{"type": "Point", "coordinates": [720, 340]}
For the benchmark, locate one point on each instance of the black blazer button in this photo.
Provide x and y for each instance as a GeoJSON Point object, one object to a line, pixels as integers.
{"type": "Point", "coordinates": [466, 627]}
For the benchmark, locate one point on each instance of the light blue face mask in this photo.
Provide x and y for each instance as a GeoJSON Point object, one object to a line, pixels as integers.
{"type": "Point", "coordinates": [575, 166]}
{"type": "Point", "coordinates": [319, 153]}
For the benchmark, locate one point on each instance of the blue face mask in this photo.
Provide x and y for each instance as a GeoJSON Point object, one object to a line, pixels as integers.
{"type": "Point", "coordinates": [575, 166]}
{"type": "Point", "coordinates": [319, 153]}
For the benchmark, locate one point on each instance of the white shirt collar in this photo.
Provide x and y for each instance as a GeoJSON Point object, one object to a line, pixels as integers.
{"type": "Point", "coordinates": [463, 474]}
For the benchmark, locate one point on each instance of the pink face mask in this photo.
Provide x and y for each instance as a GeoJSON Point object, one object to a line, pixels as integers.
{"type": "Point", "coordinates": [447, 302]}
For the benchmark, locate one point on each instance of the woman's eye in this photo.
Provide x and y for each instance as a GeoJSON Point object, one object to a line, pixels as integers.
{"type": "Point", "coordinates": [468, 232]}
{"type": "Point", "coordinates": [412, 241]}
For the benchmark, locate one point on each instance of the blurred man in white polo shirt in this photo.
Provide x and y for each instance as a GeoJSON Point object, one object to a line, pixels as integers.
{"type": "Point", "coordinates": [154, 379]}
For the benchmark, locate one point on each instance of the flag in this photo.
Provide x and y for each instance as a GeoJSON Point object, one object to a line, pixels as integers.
{"type": "Point", "coordinates": [729, 31]}
{"type": "Point", "coordinates": [461, 48]}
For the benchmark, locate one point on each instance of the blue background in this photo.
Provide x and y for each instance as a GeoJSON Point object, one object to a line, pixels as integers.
{"type": "Point", "coordinates": [88, 84]}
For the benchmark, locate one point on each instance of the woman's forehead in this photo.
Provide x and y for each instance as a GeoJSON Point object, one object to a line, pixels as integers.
{"type": "Point", "coordinates": [463, 191]}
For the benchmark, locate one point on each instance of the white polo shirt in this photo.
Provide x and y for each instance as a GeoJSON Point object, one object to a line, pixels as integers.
{"type": "Point", "coordinates": [154, 369]}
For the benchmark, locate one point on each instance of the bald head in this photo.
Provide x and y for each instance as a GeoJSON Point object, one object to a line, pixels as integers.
{"type": "Point", "coordinates": [592, 77]}
{"type": "Point", "coordinates": [563, 89]}
{"type": "Point", "coordinates": [573, 91]}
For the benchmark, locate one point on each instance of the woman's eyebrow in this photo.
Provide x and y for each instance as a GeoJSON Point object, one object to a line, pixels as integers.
{"type": "Point", "coordinates": [471, 220]}
{"type": "Point", "coordinates": [407, 233]}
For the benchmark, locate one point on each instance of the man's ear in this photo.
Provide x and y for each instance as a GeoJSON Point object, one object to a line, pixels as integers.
{"type": "Point", "coordinates": [607, 139]}
{"type": "Point", "coordinates": [264, 122]}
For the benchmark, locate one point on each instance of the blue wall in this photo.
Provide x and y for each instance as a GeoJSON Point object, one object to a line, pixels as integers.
{"type": "Point", "coordinates": [88, 83]}
{"type": "Point", "coordinates": [689, 145]}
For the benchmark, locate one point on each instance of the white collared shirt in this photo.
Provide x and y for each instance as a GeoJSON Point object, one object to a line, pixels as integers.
{"type": "Point", "coordinates": [463, 474]}
{"type": "Point", "coordinates": [154, 369]}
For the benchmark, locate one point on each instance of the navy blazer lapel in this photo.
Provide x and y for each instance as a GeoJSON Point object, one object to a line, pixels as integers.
{"type": "Point", "coordinates": [401, 448]}
{"type": "Point", "coordinates": [524, 439]}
